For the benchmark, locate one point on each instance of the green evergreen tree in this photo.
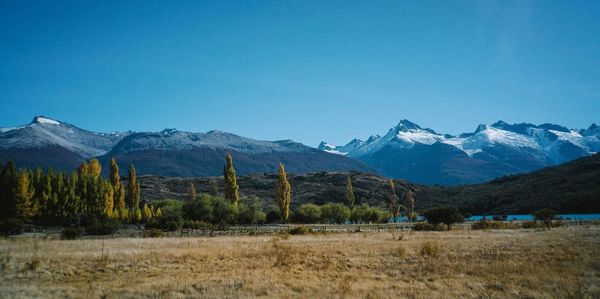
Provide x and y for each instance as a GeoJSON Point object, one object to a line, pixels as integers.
{"type": "Point", "coordinates": [283, 193]}
{"type": "Point", "coordinates": [231, 186]}
{"type": "Point", "coordinates": [8, 181]}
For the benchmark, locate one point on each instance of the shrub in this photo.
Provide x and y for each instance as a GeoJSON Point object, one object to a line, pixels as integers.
{"type": "Point", "coordinates": [400, 251]}
{"type": "Point", "coordinates": [168, 222]}
{"type": "Point", "coordinates": [211, 209]}
{"type": "Point", "coordinates": [250, 213]}
{"type": "Point", "coordinates": [299, 230]}
{"type": "Point", "coordinates": [273, 217]}
{"type": "Point", "coordinates": [424, 226]}
{"type": "Point", "coordinates": [545, 216]}
{"type": "Point", "coordinates": [33, 264]}
{"type": "Point", "coordinates": [153, 233]}
{"type": "Point", "coordinates": [196, 224]}
{"type": "Point", "coordinates": [102, 226]}
{"type": "Point", "coordinates": [431, 249]}
{"type": "Point", "coordinates": [72, 233]}
{"type": "Point", "coordinates": [447, 216]}
{"type": "Point", "coordinates": [11, 226]}
{"type": "Point", "coordinates": [335, 213]}
{"type": "Point", "coordinates": [309, 213]}
{"type": "Point", "coordinates": [530, 224]}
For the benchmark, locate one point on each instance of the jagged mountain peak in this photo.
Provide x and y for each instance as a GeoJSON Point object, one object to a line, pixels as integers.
{"type": "Point", "coordinates": [406, 125]}
{"type": "Point", "coordinates": [373, 138]}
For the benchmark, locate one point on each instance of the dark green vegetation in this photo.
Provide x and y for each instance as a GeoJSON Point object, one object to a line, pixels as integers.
{"type": "Point", "coordinates": [573, 187]}
{"type": "Point", "coordinates": [447, 216]}
{"type": "Point", "coordinates": [82, 199]}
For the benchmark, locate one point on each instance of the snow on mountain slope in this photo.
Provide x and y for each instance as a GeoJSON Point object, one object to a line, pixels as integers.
{"type": "Point", "coordinates": [340, 150]}
{"type": "Point", "coordinates": [544, 138]}
{"type": "Point", "coordinates": [501, 148]}
{"type": "Point", "coordinates": [43, 132]}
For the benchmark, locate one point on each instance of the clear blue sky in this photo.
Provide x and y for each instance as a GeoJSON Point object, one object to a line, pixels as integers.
{"type": "Point", "coordinates": [303, 70]}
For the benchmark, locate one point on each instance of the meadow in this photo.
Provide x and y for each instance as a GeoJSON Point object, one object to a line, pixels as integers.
{"type": "Point", "coordinates": [525, 263]}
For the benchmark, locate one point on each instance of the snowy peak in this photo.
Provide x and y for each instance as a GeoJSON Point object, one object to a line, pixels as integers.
{"type": "Point", "coordinates": [44, 120]}
{"type": "Point", "coordinates": [593, 130]}
{"type": "Point", "coordinates": [340, 150]}
{"type": "Point", "coordinates": [406, 125]}
{"type": "Point", "coordinates": [548, 141]}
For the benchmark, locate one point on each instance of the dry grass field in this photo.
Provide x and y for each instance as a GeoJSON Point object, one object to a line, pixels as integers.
{"type": "Point", "coordinates": [561, 263]}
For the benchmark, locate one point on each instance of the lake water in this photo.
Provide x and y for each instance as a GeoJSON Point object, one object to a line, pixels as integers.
{"type": "Point", "coordinates": [523, 217]}
{"type": "Point", "coordinates": [530, 218]}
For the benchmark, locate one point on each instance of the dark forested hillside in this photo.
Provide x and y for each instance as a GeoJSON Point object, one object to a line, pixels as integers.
{"type": "Point", "coordinates": [571, 187]}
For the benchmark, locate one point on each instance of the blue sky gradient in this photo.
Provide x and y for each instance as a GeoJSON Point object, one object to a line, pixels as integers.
{"type": "Point", "coordinates": [303, 70]}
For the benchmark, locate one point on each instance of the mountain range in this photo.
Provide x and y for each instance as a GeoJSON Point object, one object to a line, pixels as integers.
{"type": "Point", "coordinates": [407, 151]}
{"type": "Point", "coordinates": [47, 143]}
{"type": "Point", "coordinates": [424, 156]}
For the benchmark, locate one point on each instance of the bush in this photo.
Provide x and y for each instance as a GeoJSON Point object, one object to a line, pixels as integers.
{"type": "Point", "coordinates": [211, 209]}
{"type": "Point", "coordinates": [168, 222]}
{"type": "Point", "coordinates": [72, 233]}
{"type": "Point", "coordinates": [250, 213]}
{"type": "Point", "coordinates": [309, 213]}
{"type": "Point", "coordinates": [366, 214]}
{"type": "Point", "coordinates": [424, 226]}
{"type": "Point", "coordinates": [196, 224]}
{"type": "Point", "coordinates": [447, 216]}
{"type": "Point", "coordinates": [153, 233]}
{"type": "Point", "coordinates": [545, 216]}
{"type": "Point", "coordinates": [273, 217]}
{"type": "Point", "coordinates": [530, 224]}
{"type": "Point", "coordinates": [299, 230]}
{"type": "Point", "coordinates": [335, 213]}
{"type": "Point", "coordinates": [11, 226]}
{"type": "Point", "coordinates": [486, 224]}
{"type": "Point", "coordinates": [431, 249]}
{"type": "Point", "coordinates": [102, 226]}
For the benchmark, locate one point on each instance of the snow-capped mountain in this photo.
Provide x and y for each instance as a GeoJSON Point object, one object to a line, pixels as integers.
{"type": "Point", "coordinates": [48, 143]}
{"type": "Point", "coordinates": [44, 131]}
{"type": "Point", "coordinates": [407, 151]}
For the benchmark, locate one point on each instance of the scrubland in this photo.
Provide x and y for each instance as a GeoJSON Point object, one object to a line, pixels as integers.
{"type": "Point", "coordinates": [559, 263]}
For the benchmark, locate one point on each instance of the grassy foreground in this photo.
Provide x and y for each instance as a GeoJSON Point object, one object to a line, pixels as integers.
{"type": "Point", "coordinates": [561, 263]}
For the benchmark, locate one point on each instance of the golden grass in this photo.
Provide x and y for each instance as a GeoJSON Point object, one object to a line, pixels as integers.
{"type": "Point", "coordinates": [560, 263]}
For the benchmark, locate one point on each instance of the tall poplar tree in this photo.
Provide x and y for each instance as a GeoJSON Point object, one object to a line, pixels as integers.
{"type": "Point", "coordinates": [192, 192]}
{"type": "Point", "coordinates": [133, 190]}
{"type": "Point", "coordinates": [394, 204]}
{"type": "Point", "coordinates": [109, 200]}
{"type": "Point", "coordinates": [410, 203]}
{"type": "Point", "coordinates": [283, 193]}
{"type": "Point", "coordinates": [25, 205]}
{"type": "Point", "coordinates": [231, 186]}
{"type": "Point", "coordinates": [350, 198]}
{"type": "Point", "coordinates": [118, 189]}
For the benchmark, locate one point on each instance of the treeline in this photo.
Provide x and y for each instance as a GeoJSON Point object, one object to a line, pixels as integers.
{"type": "Point", "coordinates": [84, 196]}
{"type": "Point", "coordinates": [59, 198]}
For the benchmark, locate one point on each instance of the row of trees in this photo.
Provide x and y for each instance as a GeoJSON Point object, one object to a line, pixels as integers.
{"type": "Point", "coordinates": [199, 209]}
{"type": "Point", "coordinates": [56, 198]}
